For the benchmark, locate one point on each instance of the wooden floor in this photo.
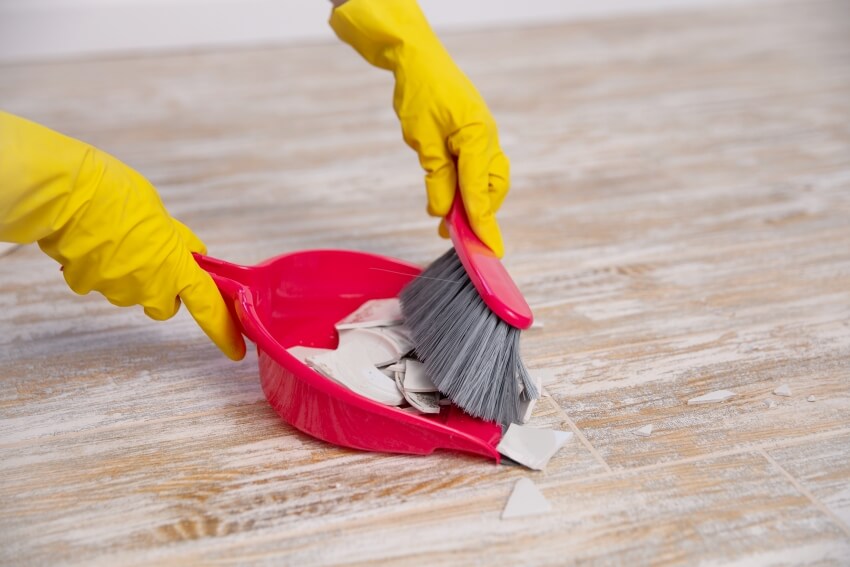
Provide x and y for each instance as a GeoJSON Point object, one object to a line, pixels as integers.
{"type": "Point", "coordinates": [679, 220]}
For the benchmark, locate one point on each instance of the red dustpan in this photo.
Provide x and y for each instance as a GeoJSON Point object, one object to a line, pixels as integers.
{"type": "Point", "coordinates": [295, 299]}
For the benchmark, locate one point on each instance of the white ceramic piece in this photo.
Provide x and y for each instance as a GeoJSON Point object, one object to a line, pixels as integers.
{"type": "Point", "coordinates": [712, 397]}
{"type": "Point", "coordinates": [302, 353]}
{"type": "Point", "coordinates": [415, 379]}
{"type": "Point", "coordinates": [525, 500]}
{"type": "Point", "coordinates": [373, 313]}
{"type": "Point", "coordinates": [770, 404]}
{"type": "Point", "coordinates": [532, 446]}
{"type": "Point", "coordinates": [810, 399]}
{"type": "Point", "coordinates": [353, 369]}
{"type": "Point", "coordinates": [396, 367]}
{"type": "Point", "coordinates": [376, 346]}
{"type": "Point", "coordinates": [424, 402]}
{"type": "Point", "coordinates": [526, 407]}
{"type": "Point", "coordinates": [399, 336]}
{"type": "Point", "coordinates": [783, 390]}
{"type": "Point", "coordinates": [644, 431]}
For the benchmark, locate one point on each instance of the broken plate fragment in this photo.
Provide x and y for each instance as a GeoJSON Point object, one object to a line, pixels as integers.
{"type": "Point", "coordinates": [810, 399]}
{"type": "Point", "coordinates": [783, 391]}
{"type": "Point", "coordinates": [644, 431]}
{"type": "Point", "coordinates": [425, 402]}
{"type": "Point", "coordinates": [770, 404]}
{"type": "Point", "coordinates": [526, 406]}
{"type": "Point", "coordinates": [532, 446]}
{"type": "Point", "coordinates": [374, 313]}
{"type": "Point", "coordinates": [525, 500]}
{"type": "Point", "coordinates": [302, 353]}
{"type": "Point", "coordinates": [415, 379]}
{"type": "Point", "coordinates": [712, 397]}
{"type": "Point", "coordinates": [353, 369]}
{"type": "Point", "coordinates": [380, 349]}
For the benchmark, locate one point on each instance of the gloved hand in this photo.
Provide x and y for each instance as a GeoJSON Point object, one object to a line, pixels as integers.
{"type": "Point", "coordinates": [106, 225]}
{"type": "Point", "coordinates": [442, 116]}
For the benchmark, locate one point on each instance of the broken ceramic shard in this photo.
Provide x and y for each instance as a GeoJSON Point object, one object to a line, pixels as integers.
{"type": "Point", "coordinates": [302, 353]}
{"type": "Point", "coordinates": [396, 367]}
{"type": "Point", "coordinates": [380, 349]}
{"type": "Point", "coordinates": [712, 397]}
{"type": "Point", "coordinates": [353, 369]}
{"type": "Point", "coordinates": [426, 402]}
{"type": "Point", "coordinates": [526, 405]}
{"type": "Point", "coordinates": [644, 431]}
{"type": "Point", "coordinates": [810, 399]}
{"type": "Point", "coordinates": [373, 313]}
{"type": "Point", "coordinates": [532, 446]}
{"type": "Point", "coordinates": [400, 336]}
{"type": "Point", "coordinates": [770, 404]}
{"type": "Point", "coordinates": [525, 500]}
{"type": "Point", "coordinates": [783, 391]}
{"type": "Point", "coordinates": [415, 379]}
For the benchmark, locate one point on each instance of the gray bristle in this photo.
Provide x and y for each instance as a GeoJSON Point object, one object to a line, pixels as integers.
{"type": "Point", "coordinates": [471, 355]}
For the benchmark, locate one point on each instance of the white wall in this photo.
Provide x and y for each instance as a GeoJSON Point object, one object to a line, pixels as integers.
{"type": "Point", "coordinates": [37, 29]}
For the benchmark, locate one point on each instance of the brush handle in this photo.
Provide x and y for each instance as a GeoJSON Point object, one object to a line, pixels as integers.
{"type": "Point", "coordinates": [486, 271]}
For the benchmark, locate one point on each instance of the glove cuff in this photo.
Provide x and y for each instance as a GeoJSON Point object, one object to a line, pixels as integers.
{"type": "Point", "coordinates": [383, 30]}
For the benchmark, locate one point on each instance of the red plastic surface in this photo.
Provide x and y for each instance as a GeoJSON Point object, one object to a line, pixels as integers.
{"type": "Point", "coordinates": [486, 271]}
{"type": "Point", "coordinates": [295, 299]}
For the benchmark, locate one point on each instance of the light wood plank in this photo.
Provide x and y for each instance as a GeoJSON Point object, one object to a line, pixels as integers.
{"type": "Point", "coordinates": [680, 220]}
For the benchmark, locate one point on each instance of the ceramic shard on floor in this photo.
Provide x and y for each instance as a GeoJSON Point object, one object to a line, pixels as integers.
{"type": "Point", "coordinates": [770, 404]}
{"type": "Point", "coordinates": [525, 500]}
{"type": "Point", "coordinates": [712, 397]}
{"type": "Point", "coordinates": [373, 313]}
{"type": "Point", "coordinates": [810, 399]}
{"type": "Point", "coordinates": [532, 446]}
{"type": "Point", "coordinates": [644, 431]}
{"type": "Point", "coordinates": [783, 390]}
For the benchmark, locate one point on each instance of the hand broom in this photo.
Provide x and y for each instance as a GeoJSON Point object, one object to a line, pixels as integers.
{"type": "Point", "coordinates": [465, 315]}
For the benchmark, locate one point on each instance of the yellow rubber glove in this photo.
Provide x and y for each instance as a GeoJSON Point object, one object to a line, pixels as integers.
{"type": "Point", "coordinates": [106, 225]}
{"type": "Point", "coordinates": [443, 117]}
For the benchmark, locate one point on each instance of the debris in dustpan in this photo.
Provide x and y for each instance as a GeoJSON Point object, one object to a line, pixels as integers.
{"type": "Point", "coordinates": [302, 353]}
{"type": "Point", "coordinates": [525, 500]}
{"type": "Point", "coordinates": [353, 368]}
{"type": "Point", "coordinates": [373, 313]}
{"type": "Point", "coordinates": [783, 390]}
{"type": "Point", "coordinates": [712, 397]}
{"type": "Point", "coordinates": [371, 359]}
{"type": "Point", "coordinates": [415, 379]}
{"type": "Point", "coordinates": [380, 349]}
{"type": "Point", "coordinates": [644, 431]}
{"type": "Point", "coordinates": [425, 402]}
{"type": "Point", "coordinates": [532, 446]}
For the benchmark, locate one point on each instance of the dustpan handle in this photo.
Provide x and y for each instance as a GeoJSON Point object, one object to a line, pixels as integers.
{"type": "Point", "coordinates": [232, 280]}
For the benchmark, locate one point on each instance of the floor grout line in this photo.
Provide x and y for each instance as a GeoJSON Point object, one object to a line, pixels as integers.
{"type": "Point", "coordinates": [806, 492]}
{"type": "Point", "coordinates": [580, 435]}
